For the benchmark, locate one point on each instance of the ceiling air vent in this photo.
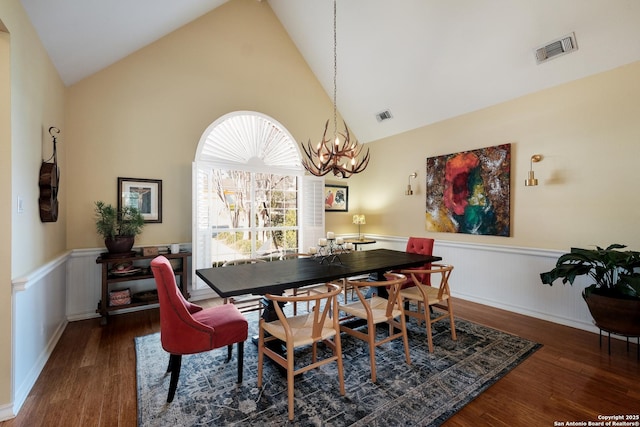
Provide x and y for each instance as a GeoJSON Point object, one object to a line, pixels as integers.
{"type": "Point", "coordinates": [384, 115]}
{"type": "Point", "coordinates": [558, 47]}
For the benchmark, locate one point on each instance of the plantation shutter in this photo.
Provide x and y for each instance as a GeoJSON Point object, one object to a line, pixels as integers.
{"type": "Point", "coordinates": [202, 178]}
{"type": "Point", "coordinates": [312, 218]}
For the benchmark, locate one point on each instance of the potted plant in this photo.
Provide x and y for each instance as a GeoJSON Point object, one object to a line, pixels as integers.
{"type": "Point", "coordinates": [118, 228]}
{"type": "Point", "coordinates": [614, 296]}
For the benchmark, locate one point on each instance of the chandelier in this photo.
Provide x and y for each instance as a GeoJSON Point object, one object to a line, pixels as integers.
{"type": "Point", "coordinates": [344, 158]}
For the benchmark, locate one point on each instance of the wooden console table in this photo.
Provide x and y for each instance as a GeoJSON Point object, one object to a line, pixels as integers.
{"type": "Point", "coordinates": [111, 280]}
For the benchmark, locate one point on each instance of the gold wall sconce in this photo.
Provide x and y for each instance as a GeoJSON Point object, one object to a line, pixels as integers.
{"type": "Point", "coordinates": [409, 191]}
{"type": "Point", "coordinates": [531, 181]}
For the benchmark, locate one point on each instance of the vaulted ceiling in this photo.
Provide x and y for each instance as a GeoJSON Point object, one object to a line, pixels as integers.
{"type": "Point", "coordinates": [422, 60]}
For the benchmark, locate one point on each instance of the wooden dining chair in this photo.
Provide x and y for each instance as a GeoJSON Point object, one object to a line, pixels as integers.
{"type": "Point", "coordinates": [375, 310]}
{"type": "Point", "coordinates": [437, 294]}
{"type": "Point", "coordinates": [317, 288]}
{"type": "Point", "coordinates": [303, 290]}
{"type": "Point", "coordinates": [245, 303]}
{"type": "Point", "coordinates": [302, 330]}
{"type": "Point", "coordinates": [187, 328]}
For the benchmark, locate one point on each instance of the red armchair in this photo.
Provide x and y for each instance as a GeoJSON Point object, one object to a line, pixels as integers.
{"type": "Point", "coordinates": [187, 328]}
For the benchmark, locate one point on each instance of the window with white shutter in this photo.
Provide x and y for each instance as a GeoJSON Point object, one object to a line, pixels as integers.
{"type": "Point", "coordinates": [251, 198]}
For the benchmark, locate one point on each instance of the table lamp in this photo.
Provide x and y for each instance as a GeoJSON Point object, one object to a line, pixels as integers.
{"type": "Point", "coordinates": [359, 219]}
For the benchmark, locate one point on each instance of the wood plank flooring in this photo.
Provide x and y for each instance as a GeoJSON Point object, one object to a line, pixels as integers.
{"type": "Point", "coordinates": [90, 377]}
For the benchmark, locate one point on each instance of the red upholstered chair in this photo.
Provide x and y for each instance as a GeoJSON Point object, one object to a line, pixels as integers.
{"type": "Point", "coordinates": [422, 246]}
{"type": "Point", "coordinates": [187, 328]}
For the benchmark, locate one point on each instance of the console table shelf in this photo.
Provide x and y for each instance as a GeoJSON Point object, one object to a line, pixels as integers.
{"type": "Point", "coordinates": [110, 280]}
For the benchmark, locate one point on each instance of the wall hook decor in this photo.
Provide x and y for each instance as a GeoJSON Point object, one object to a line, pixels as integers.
{"type": "Point", "coordinates": [49, 182]}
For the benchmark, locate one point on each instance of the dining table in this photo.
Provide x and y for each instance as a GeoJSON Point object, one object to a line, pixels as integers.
{"type": "Point", "coordinates": [277, 276]}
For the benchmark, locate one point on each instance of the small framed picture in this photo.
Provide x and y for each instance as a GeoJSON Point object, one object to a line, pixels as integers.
{"type": "Point", "coordinates": [144, 194]}
{"type": "Point", "coordinates": [336, 198]}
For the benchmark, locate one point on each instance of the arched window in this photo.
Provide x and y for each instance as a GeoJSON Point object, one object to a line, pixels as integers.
{"type": "Point", "coordinates": [251, 197]}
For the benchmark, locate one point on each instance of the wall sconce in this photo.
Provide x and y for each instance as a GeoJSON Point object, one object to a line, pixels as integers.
{"type": "Point", "coordinates": [531, 181]}
{"type": "Point", "coordinates": [409, 191]}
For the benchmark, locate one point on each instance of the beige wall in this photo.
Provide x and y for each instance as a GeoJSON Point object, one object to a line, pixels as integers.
{"type": "Point", "coordinates": [35, 99]}
{"type": "Point", "coordinates": [143, 117]}
{"type": "Point", "coordinates": [589, 134]}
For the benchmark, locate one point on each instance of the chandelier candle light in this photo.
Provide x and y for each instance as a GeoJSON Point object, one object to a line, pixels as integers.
{"type": "Point", "coordinates": [330, 155]}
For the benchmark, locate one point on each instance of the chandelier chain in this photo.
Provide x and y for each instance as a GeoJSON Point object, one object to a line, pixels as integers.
{"type": "Point", "coordinates": [335, 73]}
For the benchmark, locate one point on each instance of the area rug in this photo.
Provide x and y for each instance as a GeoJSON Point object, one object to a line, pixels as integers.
{"type": "Point", "coordinates": [426, 393]}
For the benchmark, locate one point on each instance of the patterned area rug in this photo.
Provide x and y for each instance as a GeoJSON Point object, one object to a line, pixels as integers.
{"type": "Point", "coordinates": [426, 393]}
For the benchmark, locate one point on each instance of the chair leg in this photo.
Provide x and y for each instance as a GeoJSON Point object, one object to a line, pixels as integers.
{"type": "Point", "coordinates": [427, 319]}
{"type": "Point", "coordinates": [453, 328]}
{"type": "Point", "coordinates": [240, 360]}
{"type": "Point", "coordinates": [260, 352]}
{"type": "Point", "coordinates": [229, 352]}
{"type": "Point", "coordinates": [175, 362]}
{"type": "Point", "coordinates": [290, 377]}
{"type": "Point", "coordinates": [371, 334]}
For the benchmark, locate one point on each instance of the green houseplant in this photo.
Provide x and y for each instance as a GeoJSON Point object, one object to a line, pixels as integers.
{"type": "Point", "coordinates": [118, 228]}
{"type": "Point", "coordinates": [614, 296]}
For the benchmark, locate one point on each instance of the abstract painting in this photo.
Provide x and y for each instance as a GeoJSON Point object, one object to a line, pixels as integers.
{"type": "Point", "coordinates": [469, 192]}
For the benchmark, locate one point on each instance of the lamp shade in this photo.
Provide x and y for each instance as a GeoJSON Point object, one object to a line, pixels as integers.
{"type": "Point", "coordinates": [359, 219]}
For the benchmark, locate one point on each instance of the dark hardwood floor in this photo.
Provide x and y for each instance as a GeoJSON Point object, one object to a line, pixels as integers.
{"type": "Point", "coordinates": [90, 377]}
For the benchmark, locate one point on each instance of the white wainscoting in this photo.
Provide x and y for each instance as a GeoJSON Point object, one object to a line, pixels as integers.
{"type": "Point", "coordinates": [508, 277]}
{"type": "Point", "coordinates": [38, 303]}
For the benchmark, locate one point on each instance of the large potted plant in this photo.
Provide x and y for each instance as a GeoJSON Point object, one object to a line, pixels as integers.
{"type": "Point", "coordinates": [118, 229]}
{"type": "Point", "coordinates": [614, 296]}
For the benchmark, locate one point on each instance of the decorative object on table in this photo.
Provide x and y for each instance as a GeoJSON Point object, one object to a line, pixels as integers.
{"type": "Point", "coordinates": [49, 183]}
{"type": "Point", "coordinates": [149, 251]}
{"type": "Point", "coordinates": [119, 297]}
{"type": "Point", "coordinates": [417, 395]}
{"type": "Point", "coordinates": [336, 198]}
{"type": "Point", "coordinates": [469, 192]}
{"type": "Point", "coordinates": [409, 191]}
{"type": "Point", "coordinates": [329, 249]}
{"type": "Point", "coordinates": [360, 220]}
{"type": "Point", "coordinates": [118, 228]}
{"type": "Point", "coordinates": [125, 269]}
{"type": "Point", "coordinates": [145, 296]}
{"type": "Point", "coordinates": [532, 181]}
{"type": "Point", "coordinates": [329, 155]}
{"type": "Point", "coordinates": [614, 296]}
{"type": "Point", "coordinates": [143, 194]}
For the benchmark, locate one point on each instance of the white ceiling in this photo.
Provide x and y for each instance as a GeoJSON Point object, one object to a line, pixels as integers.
{"type": "Point", "coordinates": [424, 60]}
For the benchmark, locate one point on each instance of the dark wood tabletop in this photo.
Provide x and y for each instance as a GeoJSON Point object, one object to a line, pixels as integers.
{"type": "Point", "coordinates": [276, 276]}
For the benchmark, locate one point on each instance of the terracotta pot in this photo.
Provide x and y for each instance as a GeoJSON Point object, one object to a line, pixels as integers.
{"type": "Point", "coordinates": [119, 244]}
{"type": "Point", "coordinates": [615, 315]}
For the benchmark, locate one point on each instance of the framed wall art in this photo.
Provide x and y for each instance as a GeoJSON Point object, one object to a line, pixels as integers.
{"type": "Point", "coordinates": [336, 198]}
{"type": "Point", "coordinates": [469, 192]}
{"type": "Point", "coordinates": [144, 194]}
